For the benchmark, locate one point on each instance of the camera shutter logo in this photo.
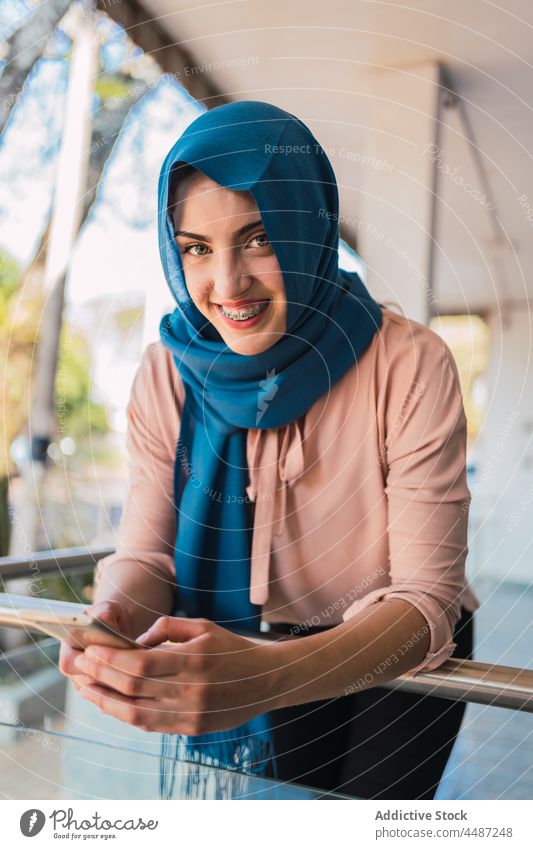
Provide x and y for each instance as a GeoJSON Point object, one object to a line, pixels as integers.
{"type": "Point", "coordinates": [32, 822]}
{"type": "Point", "coordinates": [269, 388]}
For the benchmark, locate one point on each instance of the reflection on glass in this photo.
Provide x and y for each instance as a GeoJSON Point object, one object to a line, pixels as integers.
{"type": "Point", "coordinates": [37, 764]}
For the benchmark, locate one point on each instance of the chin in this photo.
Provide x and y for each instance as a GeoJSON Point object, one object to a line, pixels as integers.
{"type": "Point", "coordinates": [249, 346]}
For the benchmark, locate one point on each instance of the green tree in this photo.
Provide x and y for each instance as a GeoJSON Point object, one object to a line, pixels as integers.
{"type": "Point", "coordinates": [77, 414]}
{"type": "Point", "coordinates": [21, 302]}
{"type": "Point", "coordinates": [15, 352]}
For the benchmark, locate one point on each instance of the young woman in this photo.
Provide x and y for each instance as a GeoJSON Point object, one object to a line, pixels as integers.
{"type": "Point", "coordinates": [297, 461]}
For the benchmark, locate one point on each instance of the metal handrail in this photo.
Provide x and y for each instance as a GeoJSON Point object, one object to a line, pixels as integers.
{"type": "Point", "coordinates": [45, 562]}
{"type": "Point", "coordinates": [462, 680]}
{"type": "Point", "coordinates": [471, 681]}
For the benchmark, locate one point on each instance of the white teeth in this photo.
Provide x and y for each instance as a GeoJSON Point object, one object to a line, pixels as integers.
{"type": "Point", "coordinates": [243, 316]}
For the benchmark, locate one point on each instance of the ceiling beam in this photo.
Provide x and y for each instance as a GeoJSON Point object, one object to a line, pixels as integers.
{"type": "Point", "coordinates": [172, 57]}
{"type": "Point", "coordinates": [176, 59]}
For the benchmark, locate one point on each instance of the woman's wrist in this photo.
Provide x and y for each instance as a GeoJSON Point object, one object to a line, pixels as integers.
{"type": "Point", "coordinates": [315, 667]}
{"type": "Point", "coordinates": [288, 676]}
{"type": "Point", "coordinates": [376, 645]}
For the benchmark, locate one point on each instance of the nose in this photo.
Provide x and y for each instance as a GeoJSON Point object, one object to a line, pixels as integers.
{"type": "Point", "coordinates": [230, 280]}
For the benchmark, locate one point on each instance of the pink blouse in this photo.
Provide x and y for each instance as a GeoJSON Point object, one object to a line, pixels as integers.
{"type": "Point", "coordinates": [363, 498]}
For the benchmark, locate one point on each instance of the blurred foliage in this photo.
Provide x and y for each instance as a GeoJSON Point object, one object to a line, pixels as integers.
{"type": "Point", "coordinates": [112, 87]}
{"type": "Point", "coordinates": [126, 320]}
{"type": "Point", "coordinates": [20, 311]}
{"type": "Point", "coordinates": [468, 338]}
{"type": "Point", "coordinates": [19, 319]}
{"type": "Point", "coordinates": [79, 414]}
{"type": "Point", "coordinates": [10, 274]}
{"type": "Point", "coordinates": [67, 587]}
{"type": "Point", "coordinates": [125, 75]}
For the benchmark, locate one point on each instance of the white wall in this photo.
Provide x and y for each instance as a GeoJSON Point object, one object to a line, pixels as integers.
{"type": "Point", "coordinates": [501, 538]}
{"type": "Point", "coordinates": [393, 205]}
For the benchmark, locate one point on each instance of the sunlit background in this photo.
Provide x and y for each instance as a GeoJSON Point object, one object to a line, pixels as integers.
{"type": "Point", "coordinates": [115, 290]}
{"type": "Point", "coordinates": [436, 218]}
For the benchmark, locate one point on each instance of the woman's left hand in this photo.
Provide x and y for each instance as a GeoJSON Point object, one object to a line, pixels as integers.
{"type": "Point", "coordinates": [210, 679]}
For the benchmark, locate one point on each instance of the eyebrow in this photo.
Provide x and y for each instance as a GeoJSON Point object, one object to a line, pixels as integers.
{"type": "Point", "coordinates": [239, 232]}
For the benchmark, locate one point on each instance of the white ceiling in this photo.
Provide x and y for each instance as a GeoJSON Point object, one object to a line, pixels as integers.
{"type": "Point", "coordinates": [313, 58]}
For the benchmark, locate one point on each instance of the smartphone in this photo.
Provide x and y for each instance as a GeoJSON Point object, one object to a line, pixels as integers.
{"type": "Point", "coordinates": [66, 621]}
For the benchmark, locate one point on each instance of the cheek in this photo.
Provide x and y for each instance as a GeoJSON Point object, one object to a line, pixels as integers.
{"type": "Point", "coordinates": [277, 285]}
{"type": "Point", "coordinates": [267, 270]}
{"type": "Point", "coordinates": [197, 284]}
{"type": "Point", "coordinates": [281, 323]}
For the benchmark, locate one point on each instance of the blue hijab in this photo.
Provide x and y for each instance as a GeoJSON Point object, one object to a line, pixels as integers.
{"type": "Point", "coordinates": [331, 320]}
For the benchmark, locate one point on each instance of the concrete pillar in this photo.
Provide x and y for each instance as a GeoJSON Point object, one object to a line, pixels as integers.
{"type": "Point", "coordinates": [394, 204]}
{"type": "Point", "coordinates": [501, 539]}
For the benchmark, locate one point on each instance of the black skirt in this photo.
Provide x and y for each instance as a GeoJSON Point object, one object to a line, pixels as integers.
{"type": "Point", "coordinates": [374, 744]}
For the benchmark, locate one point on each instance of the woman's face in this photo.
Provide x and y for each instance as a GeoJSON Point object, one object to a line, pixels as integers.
{"type": "Point", "coordinates": [230, 268]}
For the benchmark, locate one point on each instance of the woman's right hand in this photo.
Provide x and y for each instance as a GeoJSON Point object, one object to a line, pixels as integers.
{"type": "Point", "coordinates": [112, 613]}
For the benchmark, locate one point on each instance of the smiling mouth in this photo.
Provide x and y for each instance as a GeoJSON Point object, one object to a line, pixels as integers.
{"type": "Point", "coordinates": [243, 314]}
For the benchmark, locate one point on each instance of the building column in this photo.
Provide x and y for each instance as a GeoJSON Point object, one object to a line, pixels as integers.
{"type": "Point", "coordinates": [501, 539]}
{"type": "Point", "coordinates": [394, 204]}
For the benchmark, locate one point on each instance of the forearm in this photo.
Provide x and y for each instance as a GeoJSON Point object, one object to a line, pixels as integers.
{"type": "Point", "coordinates": [140, 587]}
{"type": "Point", "coordinates": [376, 645]}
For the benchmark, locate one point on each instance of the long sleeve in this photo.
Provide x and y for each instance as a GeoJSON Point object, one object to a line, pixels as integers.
{"type": "Point", "coordinates": [424, 465]}
{"type": "Point", "coordinates": [147, 530]}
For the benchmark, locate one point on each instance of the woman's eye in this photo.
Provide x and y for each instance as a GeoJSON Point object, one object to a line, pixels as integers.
{"type": "Point", "coordinates": [263, 239]}
{"type": "Point", "coordinates": [189, 249]}
{"type": "Point", "coordinates": [260, 240]}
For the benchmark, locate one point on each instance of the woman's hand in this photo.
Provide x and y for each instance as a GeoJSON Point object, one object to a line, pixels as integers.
{"type": "Point", "coordinates": [208, 679]}
{"type": "Point", "coordinates": [112, 613]}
